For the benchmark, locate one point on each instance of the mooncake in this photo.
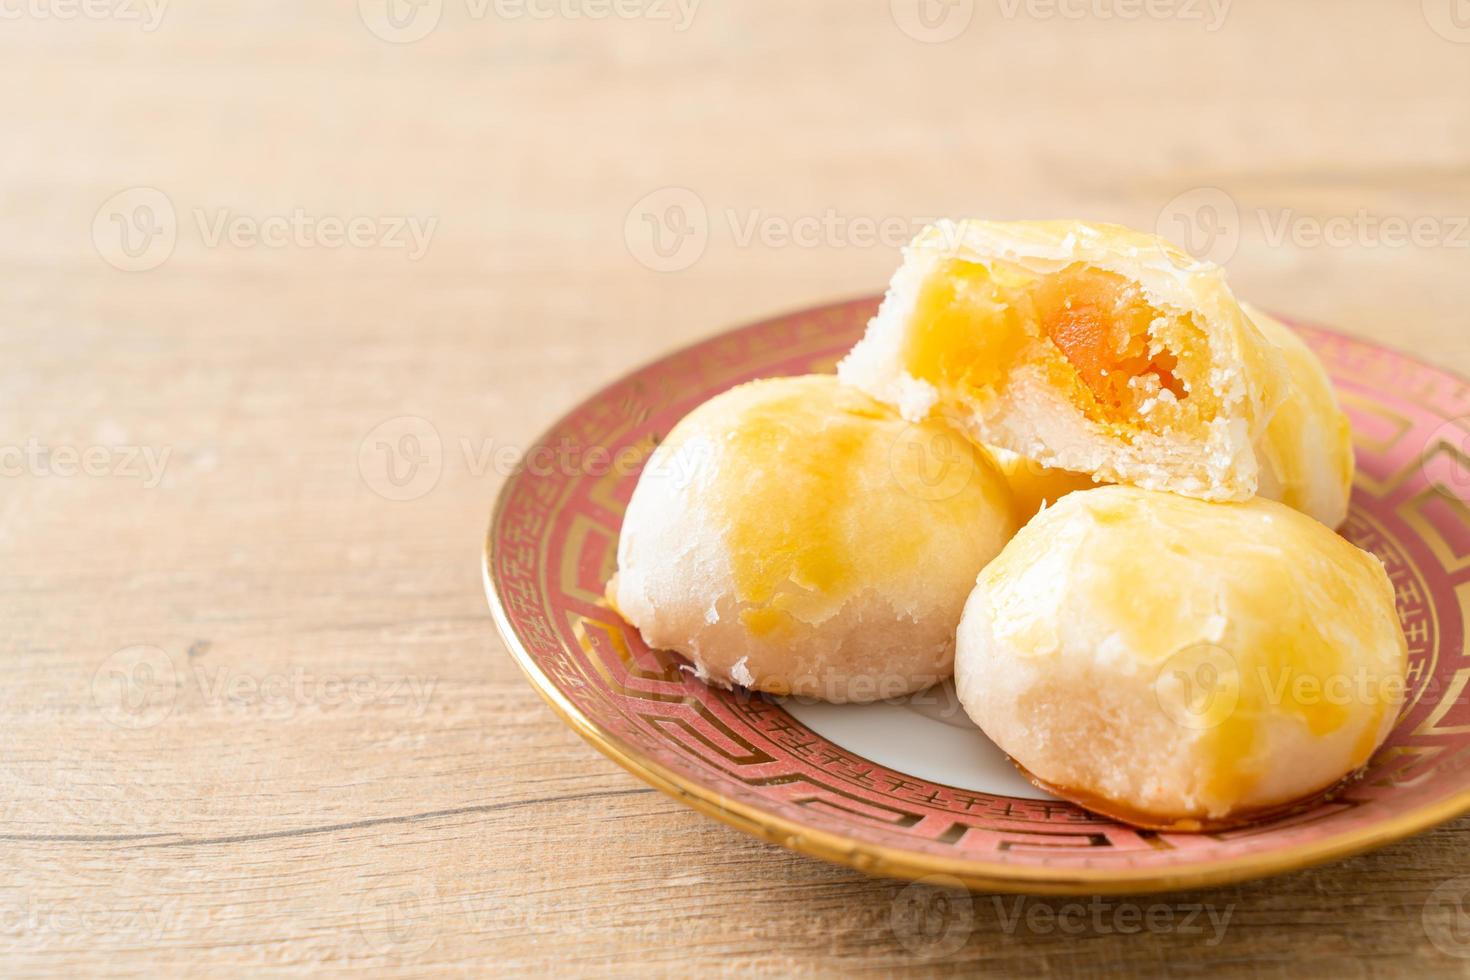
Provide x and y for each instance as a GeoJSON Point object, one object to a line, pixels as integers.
{"type": "Point", "coordinates": [1181, 664]}
{"type": "Point", "coordinates": [795, 536]}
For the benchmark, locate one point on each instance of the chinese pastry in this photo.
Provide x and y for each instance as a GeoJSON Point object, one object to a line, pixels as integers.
{"type": "Point", "coordinates": [1085, 347]}
{"type": "Point", "coordinates": [795, 536]}
{"type": "Point", "coordinates": [1178, 664]}
{"type": "Point", "coordinates": [1307, 452]}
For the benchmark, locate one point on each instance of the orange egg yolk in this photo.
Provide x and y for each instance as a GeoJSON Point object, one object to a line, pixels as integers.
{"type": "Point", "coordinates": [1092, 330]}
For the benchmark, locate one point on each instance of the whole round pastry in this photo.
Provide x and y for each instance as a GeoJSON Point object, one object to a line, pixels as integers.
{"type": "Point", "coordinates": [795, 536]}
{"type": "Point", "coordinates": [1180, 664]}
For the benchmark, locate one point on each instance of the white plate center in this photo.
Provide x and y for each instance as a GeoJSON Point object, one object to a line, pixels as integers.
{"type": "Point", "coordinates": [926, 735]}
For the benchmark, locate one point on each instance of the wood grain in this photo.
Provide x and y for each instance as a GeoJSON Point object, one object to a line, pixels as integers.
{"type": "Point", "coordinates": [346, 769]}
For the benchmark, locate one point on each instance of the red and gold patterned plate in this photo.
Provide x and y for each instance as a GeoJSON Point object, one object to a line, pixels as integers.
{"type": "Point", "coordinates": [912, 789]}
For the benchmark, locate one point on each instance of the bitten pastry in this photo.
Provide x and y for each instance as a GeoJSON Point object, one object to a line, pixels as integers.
{"type": "Point", "coordinates": [1086, 347]}
{"type": "Point", "coordinates": [1180, 664]}
{"type": "Point", "coordinates": [1307, 451]}
{"type": "Point", "coordinates": [797, 537]}
{"type": "Point", "coordinates": [1035, 486]}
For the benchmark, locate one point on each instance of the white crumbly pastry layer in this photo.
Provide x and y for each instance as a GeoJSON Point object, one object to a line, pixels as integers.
{"type": "Point", "coordinates": [1306, 452]}
{"type": "Point", "coordinates": [797, 537]}
{"type": "Point", "coordinates": [1179, 663]}
{"type": "Point", "coordinates": [1202, 453]}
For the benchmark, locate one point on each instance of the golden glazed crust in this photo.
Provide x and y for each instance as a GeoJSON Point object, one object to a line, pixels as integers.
{"type": "Point", "coordinates": [1306, 452]}
{"type": "Point", "coordinates": [1183, 661]}
{"type": "Point", "coordinates": [795, 536]}
{"type": "Point", "coordinates": [1207, 452]}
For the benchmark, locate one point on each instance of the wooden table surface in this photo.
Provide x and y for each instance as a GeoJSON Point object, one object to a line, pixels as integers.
{"type": "Point", "coordinates": [256, 714]}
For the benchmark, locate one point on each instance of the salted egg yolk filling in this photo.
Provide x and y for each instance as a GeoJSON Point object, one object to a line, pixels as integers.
{"type": "Point", "coordinates": [1119, 359]}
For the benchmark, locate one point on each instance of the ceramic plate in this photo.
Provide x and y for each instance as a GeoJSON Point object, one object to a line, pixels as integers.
{"type": "Point", "coordinates": [912, 789]}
